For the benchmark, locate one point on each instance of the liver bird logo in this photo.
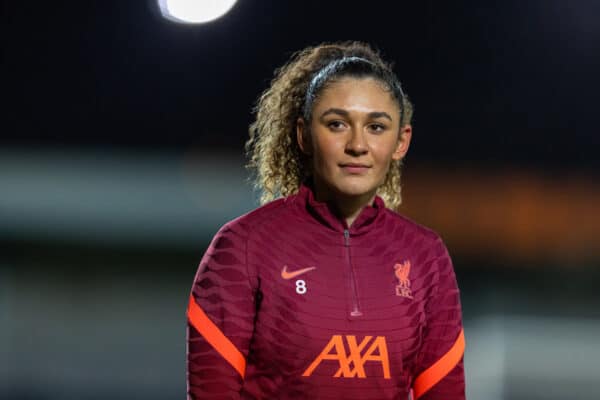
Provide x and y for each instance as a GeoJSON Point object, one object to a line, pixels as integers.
{"type": "Point", "coordinates": [401, 271]}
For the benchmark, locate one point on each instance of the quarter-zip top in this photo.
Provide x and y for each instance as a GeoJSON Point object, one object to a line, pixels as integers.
{"type": "Point", "coordinates": [290, 302]}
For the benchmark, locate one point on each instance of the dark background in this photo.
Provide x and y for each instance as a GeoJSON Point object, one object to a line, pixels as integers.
{"type": "Point", "coordinates": [121, 154]}
{"type": "Point", "coordinates": [497, 83]}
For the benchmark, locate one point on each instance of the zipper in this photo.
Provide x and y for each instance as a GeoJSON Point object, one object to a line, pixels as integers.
{"type": "Point", "coordinates": [355, 303]}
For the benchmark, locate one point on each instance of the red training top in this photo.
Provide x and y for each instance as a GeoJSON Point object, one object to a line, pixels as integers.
{"type": "Point", "coordinates": [288, 302]}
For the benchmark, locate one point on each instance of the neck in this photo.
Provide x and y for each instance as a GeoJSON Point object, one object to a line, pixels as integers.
{"type": "Point", "coordinates": [347, 207]}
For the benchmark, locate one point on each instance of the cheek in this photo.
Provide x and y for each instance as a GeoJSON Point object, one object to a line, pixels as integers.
{"type": "Point", "coordinates": [383, 150]}
{"type": "Point", "coordinates": [326, 151]}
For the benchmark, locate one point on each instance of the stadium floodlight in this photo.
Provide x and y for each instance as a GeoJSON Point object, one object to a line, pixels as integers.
{"type": "Point", "coordinates": [194, 11]}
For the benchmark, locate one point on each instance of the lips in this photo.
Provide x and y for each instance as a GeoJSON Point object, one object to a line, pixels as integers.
{"type": "Point", "coordinates": [355, 168]}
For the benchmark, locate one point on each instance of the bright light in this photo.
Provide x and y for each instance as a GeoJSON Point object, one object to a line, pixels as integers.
{"type": "Point", "coordinates": [194, 11]}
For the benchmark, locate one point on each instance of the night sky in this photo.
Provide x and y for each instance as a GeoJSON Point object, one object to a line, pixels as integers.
{"type": "Point", "coordinates": [502, 84]}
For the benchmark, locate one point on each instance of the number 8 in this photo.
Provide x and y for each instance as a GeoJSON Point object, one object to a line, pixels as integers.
{"type": "Point", "coordinates": [300, 286]}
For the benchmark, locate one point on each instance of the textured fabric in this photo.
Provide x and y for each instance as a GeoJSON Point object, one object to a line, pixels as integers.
{"type": "Point", "coordinates": [323, 311]}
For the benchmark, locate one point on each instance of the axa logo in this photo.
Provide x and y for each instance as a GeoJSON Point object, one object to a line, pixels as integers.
{"type": "Point", "coordinates": [352, 364]}
{"type": "Point", "coordinates": [403, 287]}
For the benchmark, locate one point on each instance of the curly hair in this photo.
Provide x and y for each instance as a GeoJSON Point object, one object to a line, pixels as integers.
{"type": "Point", "coordinates": [275, 158]}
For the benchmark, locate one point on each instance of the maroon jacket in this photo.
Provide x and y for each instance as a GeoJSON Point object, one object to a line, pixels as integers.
{"type": "Point", "coordinates": [288, 302]}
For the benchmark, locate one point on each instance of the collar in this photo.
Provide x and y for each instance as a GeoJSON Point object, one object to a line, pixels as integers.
{"type": "Point", "coordinates": [327, 215]}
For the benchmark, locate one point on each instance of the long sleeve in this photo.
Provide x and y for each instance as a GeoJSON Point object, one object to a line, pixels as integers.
{"type": "Point", "coordinates": [220, 318]}
{"type": "Point", "coordinates": [440, 370]}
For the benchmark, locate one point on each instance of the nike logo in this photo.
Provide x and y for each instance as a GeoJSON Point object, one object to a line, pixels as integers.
{"type": "Point", "coordinates": [285, 274]}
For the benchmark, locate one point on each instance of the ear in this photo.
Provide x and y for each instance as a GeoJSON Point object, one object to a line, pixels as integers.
{"type": "Point", "coordinates": [302, 136]}
{"type": "Point", "coordinates": [403, 142]}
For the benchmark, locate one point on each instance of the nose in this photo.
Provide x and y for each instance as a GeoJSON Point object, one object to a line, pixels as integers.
{"type": "Point", "coordinates": [357, 144]}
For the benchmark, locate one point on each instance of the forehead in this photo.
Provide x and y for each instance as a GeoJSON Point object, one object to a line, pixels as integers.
{"type": "Point", "coordinates": [358, 94]}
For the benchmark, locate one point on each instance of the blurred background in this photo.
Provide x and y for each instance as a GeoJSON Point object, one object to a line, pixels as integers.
{"type": "Point", "coordinates": [121, 154]}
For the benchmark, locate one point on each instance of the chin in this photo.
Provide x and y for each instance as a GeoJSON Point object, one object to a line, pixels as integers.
{"type": "Point", "coordinates": [356, 189]}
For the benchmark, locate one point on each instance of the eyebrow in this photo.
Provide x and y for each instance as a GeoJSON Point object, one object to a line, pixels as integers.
{"type": "Point", "coordinates": [344, 113]}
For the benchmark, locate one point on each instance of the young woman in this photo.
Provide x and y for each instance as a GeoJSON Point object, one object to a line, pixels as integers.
{"type": "Point", "coordinates": [325, 292]}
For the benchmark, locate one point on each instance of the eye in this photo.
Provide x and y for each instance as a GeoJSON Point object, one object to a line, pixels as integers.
{"type": "Point", "coordinates": [378, 128]}
{"type": "Point", "coordinates": [336, 125]}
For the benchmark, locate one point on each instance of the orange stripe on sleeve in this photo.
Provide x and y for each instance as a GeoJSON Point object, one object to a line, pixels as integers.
{"type": "Point", "coordinates": [215, 337]}
{"type": "Point", "coordinates": [442, 367]}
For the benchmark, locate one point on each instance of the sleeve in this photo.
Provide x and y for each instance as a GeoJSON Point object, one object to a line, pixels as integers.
{"type": "Point", "coordinates": [220, 319]}
{"type": "Point", "coordinates": [439, 370]}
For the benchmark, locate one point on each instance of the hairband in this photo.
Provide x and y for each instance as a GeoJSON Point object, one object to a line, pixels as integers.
{"type": "Point", "coordinates": [324, 73]}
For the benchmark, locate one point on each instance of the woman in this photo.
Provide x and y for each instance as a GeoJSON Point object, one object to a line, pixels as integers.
{"type": "Point", "coordinates": [325, 292]}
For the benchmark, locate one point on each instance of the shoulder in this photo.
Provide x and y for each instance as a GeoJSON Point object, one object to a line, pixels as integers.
{"type": "Point", "coordinates": [230, 244]}
{"type": "Point", "coordinates": [414, 229]}
{"type": "Point", "coordinates": [423, 243]}
{"type": "Point", "coordinates": [255, 219]}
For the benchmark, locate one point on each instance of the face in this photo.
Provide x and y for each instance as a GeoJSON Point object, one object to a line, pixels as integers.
{"type": "Point", "coordinates": [353, 137]}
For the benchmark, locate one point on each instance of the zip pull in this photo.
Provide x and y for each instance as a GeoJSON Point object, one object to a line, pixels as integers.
{"type": "Point", "coordinates": [346, 237]}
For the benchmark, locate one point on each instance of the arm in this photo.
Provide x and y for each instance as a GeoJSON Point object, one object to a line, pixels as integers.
{"type": "Point", "coordinates": [440, 371]}
{"type": "Point", "coordinates": [220, 318]}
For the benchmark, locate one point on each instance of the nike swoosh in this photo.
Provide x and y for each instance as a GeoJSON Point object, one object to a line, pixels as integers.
{"type": "Point", "coordinates": [289, 275]}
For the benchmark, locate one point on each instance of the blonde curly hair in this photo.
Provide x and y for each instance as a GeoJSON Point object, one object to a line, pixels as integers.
{"type": "Point", "coordinates": [275, 158]}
